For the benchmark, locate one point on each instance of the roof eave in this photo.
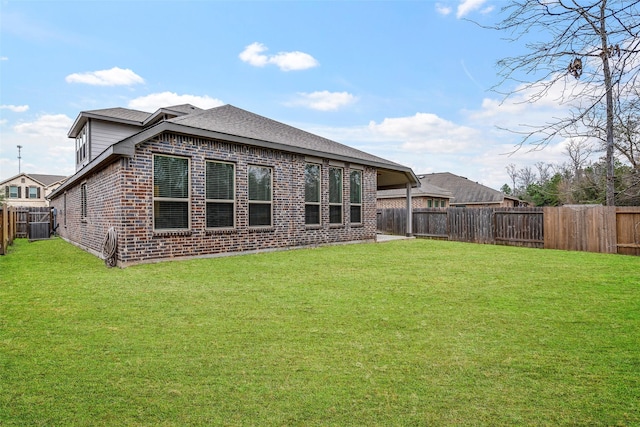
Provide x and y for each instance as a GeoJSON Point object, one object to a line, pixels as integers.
{"type": "Point", "coordinates": [398, 176]}
{"type": "Point", "coordinates": [105, 158]}
{"type": "Point", "coordinates": [84, 116]}
{"type": "Point", "coordinates": [127, 147]}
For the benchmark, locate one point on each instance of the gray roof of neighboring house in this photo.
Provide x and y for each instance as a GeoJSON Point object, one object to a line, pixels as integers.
{"type": "Point", "coordinates": [43, 179]}
{"type": "Point", "coordinates": [425, 190]}
{"type": "Point", "coordinates": [464, 190]}
{"type": "Point", "coordinates": [47, 179]}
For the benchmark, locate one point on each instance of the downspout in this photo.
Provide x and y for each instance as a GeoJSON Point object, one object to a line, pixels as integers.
{"type": "Point", "coordinates": [409, 231]}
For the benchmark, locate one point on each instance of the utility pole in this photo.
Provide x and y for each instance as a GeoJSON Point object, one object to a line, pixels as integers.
{"type": "Point", "coordinates": [19, 148]}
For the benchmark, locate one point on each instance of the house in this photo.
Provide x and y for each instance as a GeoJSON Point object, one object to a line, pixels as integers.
{"type": "Point", "coordinates": [187, 182]}
{"type": "Point", "coordinates": [425, 196]}
{"type": "Point", "coordinates": [30, 190]}
{"type": "Point", "coordinates": [467, 193]}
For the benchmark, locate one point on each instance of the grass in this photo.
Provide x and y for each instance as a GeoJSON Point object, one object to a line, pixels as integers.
{"type": "Point", "coordinates": [405, 333]}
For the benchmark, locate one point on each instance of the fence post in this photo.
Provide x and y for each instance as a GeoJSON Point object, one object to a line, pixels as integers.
{"type": "Point", "coordinates": [409, 230]}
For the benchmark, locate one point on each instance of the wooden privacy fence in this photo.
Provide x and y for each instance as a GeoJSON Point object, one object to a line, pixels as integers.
{"type": "Point", "coordinates": [8, 220]}
{"type": "Point", "coordinates": [34, 223]}
{"type": "Point", "coordinates": [579, 228]}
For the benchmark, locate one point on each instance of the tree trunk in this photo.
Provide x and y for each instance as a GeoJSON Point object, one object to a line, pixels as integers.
{"type": "Point", "coordinates": [608, 84]}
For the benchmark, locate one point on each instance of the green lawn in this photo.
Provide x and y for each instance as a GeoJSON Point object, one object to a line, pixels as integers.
{"type": "Point", "coordinates": [413, 332]}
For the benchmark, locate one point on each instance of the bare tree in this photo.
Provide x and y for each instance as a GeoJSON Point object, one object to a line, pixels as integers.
{"type": "Point", "coordinates": [578, 151]}
{"type": "Point", "coordinates": [527, 176]}
{"type": "Point", "coordinates": [513, 175]}
{"type": "Point", "coordinates": [585, 53]}
{"type": "Point", "coordinates": [544, 171]}
{"type": "Point", "coordinates": [627, 128]}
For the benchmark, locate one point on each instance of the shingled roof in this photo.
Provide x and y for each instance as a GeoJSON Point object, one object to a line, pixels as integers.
{"type": "Point", "coordinates": [231, 120]}
{"type": "Point", "coordinates": [232, 124]}
{"type": "Point", "coordinates": [464, 191]}
{"type": "Point", "coordinates": [425, 190]}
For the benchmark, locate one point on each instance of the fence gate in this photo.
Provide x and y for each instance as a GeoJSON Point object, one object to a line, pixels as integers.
{"type": "Point", "coordinates": [39, 223]}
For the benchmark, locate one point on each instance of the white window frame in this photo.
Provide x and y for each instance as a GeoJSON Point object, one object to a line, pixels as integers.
{"type": "Point", "coordinates": [81, 145]}
{"type": "Point", "coordinates": [13, 195]}
{"type": "Point", "coordinates": [36, 194]}
{"type": "Point", "coordinates": [186, 199]}
{"type": "Point", "coordinates": [260, 202]}
{"type": "Point", "coordinates": [231, 201]}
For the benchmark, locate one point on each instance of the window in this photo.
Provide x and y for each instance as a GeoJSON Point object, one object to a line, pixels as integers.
{"type": "Point", "coordinates": [83, 200]}
{"type": "Point", "coordinates": [429, 203]}
{"type": "Point", "coordinates": [312, 194]}
{"type": "Point", "coordinates": [81, 145]}
{"type": "Point", "coordinates": [355, 191]}
{"type": "Point", "coordinates": [259, 196]}
{"type": "Point", "coordinates": [171, 203]}
{"type": "Point", "coordinates": [220, 194]}
{"type": "Point", "coordinates": [335, 195]}
{"type": "Point", "coordinates": [34, 193]}
{"type": "Point", "coordinates": [13, 192]}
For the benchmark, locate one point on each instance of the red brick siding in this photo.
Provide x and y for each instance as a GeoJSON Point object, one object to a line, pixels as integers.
{"type": "Point", "coordinates": [416, 203]}
{"type": "Point", "coordinates": [122, 196]}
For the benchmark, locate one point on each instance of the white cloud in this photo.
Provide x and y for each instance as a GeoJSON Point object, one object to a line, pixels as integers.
{"type": "Point", "coordinates": [427, 132]}
{"type": "Point", "coordinates": [324, 100]}
{"type": "Point", "coordinates": [45, 146]}
{"type": "Point", "coordinates": [15, 108]}
{"type": "Point", "coordinates": [286, 61]}
{"type": "Point", "coordinates": [443, 9]}
{"type": "Point", "coordinates": [45, 125]}
{"type": "Point", "coordinates": [467, 6]}
{"type": "Point", "coordinates": [155, 101]}
{"type": "Point", "coordinates": [114, 77]}
{"type": "Point", "coordinates": [4, 58]}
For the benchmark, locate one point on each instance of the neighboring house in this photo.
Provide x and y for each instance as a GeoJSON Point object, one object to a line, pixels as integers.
{"type": "Point", "coordinates": [425, 196]}
{"type": "Point", "coordinates": [187, 182]}
{"type": "Point", "coordinates": [29, 190]}
{"type": "Point", "coordinates": [467, 193]}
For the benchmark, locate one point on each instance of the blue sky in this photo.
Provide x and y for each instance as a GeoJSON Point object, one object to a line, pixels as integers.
{"type": "Point", "coordinates": [405, 80]}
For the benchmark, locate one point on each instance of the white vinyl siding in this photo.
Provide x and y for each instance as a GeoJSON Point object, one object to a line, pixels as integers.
{"type": "Point", "coordinates": [105, 134]}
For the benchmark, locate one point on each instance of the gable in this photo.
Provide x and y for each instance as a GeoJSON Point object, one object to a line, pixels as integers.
{"type": "Point", "coordinates": [226, 123]}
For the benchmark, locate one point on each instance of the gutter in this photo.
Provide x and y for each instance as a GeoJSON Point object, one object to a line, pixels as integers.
{"type": "Point", "coordinates": [126, 148]}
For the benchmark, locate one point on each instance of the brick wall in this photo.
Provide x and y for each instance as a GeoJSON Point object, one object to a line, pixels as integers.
{"type": "Point", "coordinates": [103, 208]}
{"type": "Point", "coordinates": [121, 196]}
{"type": "Point", "coordinates": [416, 203]}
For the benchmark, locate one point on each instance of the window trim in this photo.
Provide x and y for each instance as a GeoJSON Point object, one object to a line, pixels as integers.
{"type": "Point", "coordinates": [155, 198]}
{"type": "Point", "coordinates": [18, 192]}
{"type": "Point", "coordinates": [83, 201]}
{"type": "Point", "coordinates": [82, 143]}
{"type": "Point", "coordinates": [318, 204]}
{"type": "Point", "coordinates": [334, 204]}
{"type": "Point", "coordinates": [353, 204]}
{"type": "Point", "coordinates": [260, 202]}
{"type": "Point", "coordinates": [221, 201]}
{"type": "Point", "coordinates": [37, 192]}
